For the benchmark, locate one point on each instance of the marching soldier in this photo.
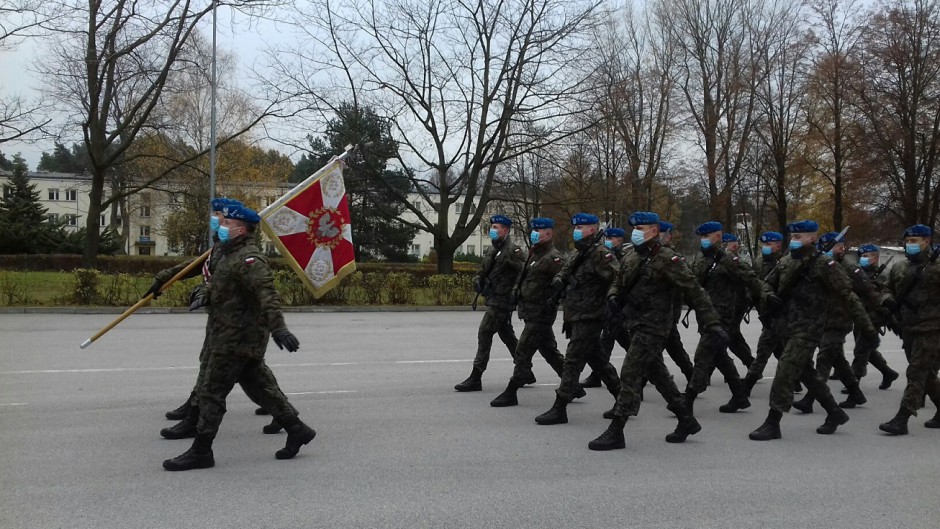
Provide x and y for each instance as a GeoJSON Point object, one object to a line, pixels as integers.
{"type": "Point", "coordinates": [244, 312]}
{"type": "Point", "coordinates": [674, 347]}
{"type": "Point", "coordinates": [805, 285]}
{"type": "Point", "coordinates": [839, 320]}
{"type": "Point", "coordinates": [724, 277]}
{"type": "Point", "coordinates": [614, 330]}
{"type": "Point", "coordinates": [536, 309]}
{"type": "Point", "coordinates": [913, 289]}
{"type": "Point", "coordinates": [738, 345]}
{"type": "Point", "coordinates": [584, 280]}
{"type": "Point", "coordinates": [770, 341]}
{"type": "Point", "coordinates": [495, 280]}
{"type": "Point", "coordinates": [650, 278]}
{"type": "Point", "coordinates": [868, 259]}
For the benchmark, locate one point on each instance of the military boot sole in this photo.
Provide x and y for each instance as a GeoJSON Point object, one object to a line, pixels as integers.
{"type": "Point", "coordinates": [893, 429]}
{"type": "Point", "coordinates": [804, 407]}
{"type": "Point", "coordinates": [602, 445]}
{"type": "Point", "coordinates": [853, 401]}
{"type": "Point", "coordinates": [294, 442]}
{"type": "Point", "coordinates": [504, 401]}
{"type": "Point", "coordinates": [888, 379]}
{"type": "Point", "coordinates": [933, 423]}
{"type": "Point", "coordinates": [609, 414]}
{"type": "Point", "coordinates": [580, 393]}
{"type": "Point", "coordinates": [189, 461]}
{"type": "Point", "coordinates": [683, 431]}
{"type": "Point", "coordinates": [734, 405]}
{"type": "Point", "coordinates": [833, 421]}
{"type": "Point", "coordinates": [467, 386]}
{"type": "Point", "coordinates": [765, 433]}
{"type": "Point", "coordinates": [178, 431]}
{"type": "Point", "coordinates": [261, 411]}
{"type": "Point", "coordinates": [179, 413]}
{"type": "Point", "coordinates": [552, 417]}
{"type": "Point", "coordinates": [272, 428]}
{"type": "Point", "coordinates": [591, 382]}
{"type": "Point", "coordinates": [530, 379]}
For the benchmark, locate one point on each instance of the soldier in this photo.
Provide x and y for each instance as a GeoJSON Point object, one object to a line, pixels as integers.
{"type": "Point", "coordinates": [868, 258]}
{"type": "Point", "coordinates": [805, 285]}
{"type": "Point", "coordinates": [613, 330]}
{"type": "Point", "coordinates": [739, 346]}
{"type": "Point", "coordinates": [188, 413]}
{"type": "Point", "coordinates": [913, 289]}
{"type": "Point", "coordinates": [536, 309]}
{"type": "Point", "coordinates": [645, 289]}
{"type": "Point", "coordinates": [244, 312]}
{"type": "Point", "coordinates": [724, 277]}
{"type": "Point", "coordinates": [770, 341]}
{"type": "Point", "coordinates": [584, 280]}
{"type": "Point", "coordinates": [674, 347]}
{"type": "Point", "coordinates": [495, 280]}
{"type": "Point", "coordinates": [839, 320]}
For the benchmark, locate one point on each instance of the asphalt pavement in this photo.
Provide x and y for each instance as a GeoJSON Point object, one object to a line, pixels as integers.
{"type": "Point", "coordinates": [397, 447]}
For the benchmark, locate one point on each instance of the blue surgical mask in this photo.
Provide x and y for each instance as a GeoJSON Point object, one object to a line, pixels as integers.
{"type": "Point", "coordinates": [223, 233]}
{"type": "Point", "coordinates": [766, 250]}
{"type": "Point", "coordinates": [795, 245]}
{"type": "Point", "coordinates": [864, 262]}
{"type": "Point", "coordinates": [828, 254]}
{"type": "Point", "coordinates": [609, 243]}
{"type": "Point", "coordinates": [578, 235]}
{"type": "Point", "coordinates": [706, 244]}
{"type": "Point", "coordinates": [214, 223]}
{"type": "Point", "coordinates": [911, 249]}
{"type": "Point", "coordinates": [534, 237]}
{"type": "Point", "coordinates": [494, 234]}
{"type": "Point", "coordinates": [638, 237]}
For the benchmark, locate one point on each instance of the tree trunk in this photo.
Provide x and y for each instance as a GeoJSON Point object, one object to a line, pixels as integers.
{"type": "Point", "coordinates": [92, 233]}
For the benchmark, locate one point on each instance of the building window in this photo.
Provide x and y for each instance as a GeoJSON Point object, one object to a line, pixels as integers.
{"type": "Point", "coordinates": [7, 191]}
{"type": "Point", "coordinates": [120, 221]}
{"type": "Point", "coordinates": [471, 249]}
{"type": "Point", "coordinates": [102, 221]}
{"type": "Point", "coordinates": [71, 220]}
{"type": "Point", "coordinates": [416, 249]}
{"type": "Point", "coordinates": [457, 207]}
{"type": "Point", "coordinates": [145, 231]}
{"type": "Point", "coordinates": [145, 198]}
{"type": "Point", "coordinates": [71, 195]}
{"type": "Point", "coordinates": [53, 217]}
{"type": "Point", "coordinates": [143, 250]}
{"type": "Point", "coordinates": [53, 194]}
{"type": "Point", "coordinates": [145, 211]}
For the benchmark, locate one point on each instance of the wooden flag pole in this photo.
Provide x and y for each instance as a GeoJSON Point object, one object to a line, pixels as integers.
{"type": "Point", "coordinates": [189, 268]}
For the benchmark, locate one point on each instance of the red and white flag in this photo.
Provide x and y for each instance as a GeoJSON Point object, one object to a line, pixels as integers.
{"type": "Point", "coordinates": [311, 228]}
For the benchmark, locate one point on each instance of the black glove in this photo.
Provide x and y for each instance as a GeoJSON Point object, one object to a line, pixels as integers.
{"type": "Point", "coordinates": [285, 340]}
{"type": "Point", "coordinates": [891, 304]}
{"type": "Point", "coordinates": [154, 289]}
{"type": "Point", "coordinates": [773, 304]}
{"type": "Point", "coordinates": [613, 305]}
{"type": "Point", "coordinates": [720, 333]}
{"type": "Point", "coordinates": [477, 286]}
{"type": "Point", "coordinates": [198, 298]}
{"type": "Point", "coordinates": [566, 329]}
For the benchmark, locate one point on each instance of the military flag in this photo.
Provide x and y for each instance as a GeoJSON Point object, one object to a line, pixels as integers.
{"type": "Point", "coordinates": [311, 228]}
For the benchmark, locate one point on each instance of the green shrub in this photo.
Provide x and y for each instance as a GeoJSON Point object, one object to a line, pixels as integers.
{"type": "Point", "coordinates": [291, 289]}
{"type": "Point", "coordinates": [400, 288]}
{"type": "Point", "coordinates": [456, 289]}
{"type": "Point", "coordinates": [12, 291]}
{"type": "Point", "coordinates": [120, 290]}
{"type": "Point", "coordinates": [85, 286]}
{"type": "Point", "coordinates": [373, 288]}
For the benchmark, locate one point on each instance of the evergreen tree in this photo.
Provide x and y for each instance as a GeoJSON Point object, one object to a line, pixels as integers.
{"type": "Point", "coordinates": [377, 234]}
{"type": "Point", "coordinates": [5, 165]}
{"type": "Point", "coordinates": [63, 160]}
{"type": "Point", "coordinates": [24, 227]}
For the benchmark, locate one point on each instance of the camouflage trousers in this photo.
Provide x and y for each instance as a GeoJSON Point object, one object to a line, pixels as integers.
{"type": "Point", "coordinates": [609, 337]}
{"type": "Point", "coordinates": [253, 375]}
{"type": "Point", "coordinates": [676, 351]}
{"type": "Point", "coordinates": [924, 350]}
{"type": "Point", "coordinates": [738, 345]}
{"type": "Point", "coordinates": [495, 321]}
{"type": "Point", "coordinates": [644, 362]}
{"type": "Point", "coordinates": [796, 363]}
{"type": "Point", "coordinates": [866, 352]}
{"type": "Point", "coordinates": [710, 354]}
{"type": "Point", "coordinates": [768, 344]}
{"type": "Point", "coordinates": [832, 356]}
{"type": "Point", "coordinates": [584, 347]}
{"type": "Point", "coordinates": [536, 337]}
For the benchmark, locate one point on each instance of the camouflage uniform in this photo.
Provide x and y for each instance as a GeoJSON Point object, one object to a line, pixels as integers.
{"type": "Point", "coordinates": [497, 277]}
{"type": "Point", "coordinates": [615, 331]}
{"type": "Point", "coordinates": [866, 352]}
{"type": "Point", "coordinates": [770, 341]}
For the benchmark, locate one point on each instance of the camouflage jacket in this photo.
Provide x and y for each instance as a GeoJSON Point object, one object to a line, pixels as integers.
{"type": "Point", "coordinates": [535, 289]}
{"type": "Point", "coordinates": [725, 278]}
{"type": "Point", "coordinates": [586, 286]}
{"type": "Point", "coordinates": [649, 281]}
{"type": "Point", "coordinates": [498, 273]}
{"type": "Point", "coordinates": [244, 306]}
{"type": "Point", "coordinates": [810, 291]}
{"type": "Point", "coordinates": [919, 310]}
{"type": "Point", "coordinates": [868, 292]}
{"type": "Point", "coordinates": [206, 269]}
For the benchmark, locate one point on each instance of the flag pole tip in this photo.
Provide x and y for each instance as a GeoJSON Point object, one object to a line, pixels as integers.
{"type": "Point", "coordinates": [86, 343]}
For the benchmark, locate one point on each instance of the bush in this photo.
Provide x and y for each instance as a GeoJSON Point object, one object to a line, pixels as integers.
{"type": "Point", "coordinates": [454, 289]}
{"type": "Point", "coordinates": [291, 288]}
{"type": "Point", "coordinates": [85, 286]}
{"type": "Point", "coordinates": [120, 290]}
{"type": "Point", "coordinates": [373, 288]}
{"type": "Point", "coordinates": [12, 292]}
{"type": "Point", "coordinates": [400, 288]}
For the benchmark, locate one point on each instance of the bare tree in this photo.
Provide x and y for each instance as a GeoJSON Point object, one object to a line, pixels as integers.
{"type": "Point", "coordinates": [468, 85]}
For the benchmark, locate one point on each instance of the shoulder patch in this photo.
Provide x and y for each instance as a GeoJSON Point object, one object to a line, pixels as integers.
{"type": "Point", "coordinates": [608, 256]}
{"type": "Point", "coordinates": [557, 259]}
{"type": "Point", "coordinates": [517, 250]}
{"type": "Point", "coordinates": [249, 260]}
{"type": "Point", "coordinates": [831, 263]}
{"type": "Point", "coordinates": [735, 258]}
{"type": "Point", "coordinates": [675, 259]}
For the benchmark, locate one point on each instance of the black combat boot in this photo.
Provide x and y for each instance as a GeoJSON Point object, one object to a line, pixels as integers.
{"type": "Point", "coordinates": [835, 418]}
{"type": "Point", "coordinates": [261, 411]}
{"type": "Point", "coordinates": [888, 377]}
{"type": "Point", "coordinates": [273, 427]}
{"type": "Point", "coordinates": [506, 398]}
{"type": "Point", "coordinates": [591, 381]}
{"type": "Point", "coordinates": [298, 434]}
{"type": "Point", "coordinates": [612, 438]}
{"type": "Point", "coordinates": [180, 413]}
{"type": "Point", "coordinates": [935, 422]}
{"type": "Point", "coordinates": [747, 385]}
{"type": "Point", "coordinates": [473, 381]}
{"type": "Point", "coordinates": [738, 400]}
{"type": "Point", "coordinates": [897, 425]}
{"type": "Point", "coordinates": [580, 392]}
{"type": "Point", "coordinates": [556, 415]}
{"type": "Point", "coordinates": [805, 405]}
{"type": "Point", "coordinates": [856, 398]}
{"type": "Point", "coordinates": [530, 378]}
{"type": "Point", "coordinates": [687, 426]}
{"type": "Point", "coordinates": [186, 428]}
{"type": "Point", "coordinates": [690, 401]}
{"type": "Point", "coordinates": [798, 388]}
{"type": "Point", "coordinates": [770, 429]}
{"type": "Point", "coordinates": [198, 456]}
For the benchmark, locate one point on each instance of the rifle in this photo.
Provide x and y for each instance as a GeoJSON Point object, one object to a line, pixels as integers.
{"type": "Point", "coordinates": [578, 261]}
{"type": "Point", "coordinates": [909, 287]}
{"type": "Point", "coordinates": [784, 290]}
{"type": "Point", "coordinates": [486, 274]}
{"type": "Point", "coordinates": [616, 317]}
{"type": "Point", "coordinates": [708, 271]}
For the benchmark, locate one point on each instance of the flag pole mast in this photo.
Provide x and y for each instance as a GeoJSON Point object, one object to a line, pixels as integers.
{"type": "Point", "coordinates": [212, 115]}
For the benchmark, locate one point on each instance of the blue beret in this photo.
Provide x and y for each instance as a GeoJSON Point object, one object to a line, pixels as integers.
{"type": "Point", "coordinates": [641, 218]}
{"type": "Point", "coordinates": [241, 212]}
{"type": "Point", "coordinates": [614, 232]}
{"type": "Point", "coordinates": [868, 248]}
{"type": "Point", "coordinates": [584, 219]}
{"type": "Point", "coordinates": [918, 230]}
{"type": "Point", "coordinates": [826, 238]}
{"type": "Point", "coordinates": [803, 226]}
{"type": "Point", "coordinates": [709, 227]}
{"type": "Point", "coordinates": [665, 227]}
{"type": "Point", "coordinates": [219, 203]}
{"type": "Point", "coordinates": [729, 237]}
{"type": "Point", "coordinates": [771, 236]}
{"type": "Point", "coordinates": [500, 219]}
{"type": "Point", "coordinates": [541, 223]}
